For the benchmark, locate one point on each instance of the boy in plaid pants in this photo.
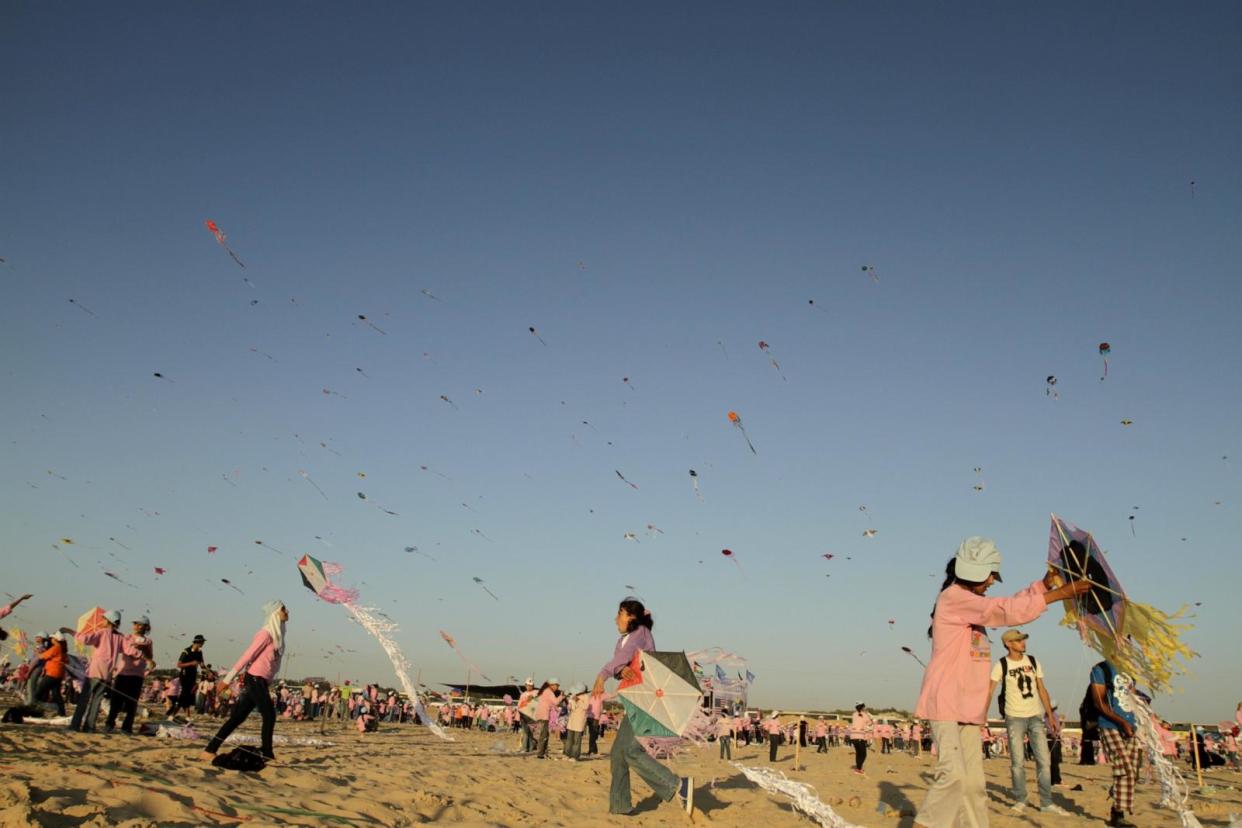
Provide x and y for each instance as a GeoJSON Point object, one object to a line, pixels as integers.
{"type": "Point", "coordinates": [1117, 737]}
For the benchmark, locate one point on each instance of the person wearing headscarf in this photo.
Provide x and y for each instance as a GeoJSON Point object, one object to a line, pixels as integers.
{"type": "Point", "coordinates": [258, 666]}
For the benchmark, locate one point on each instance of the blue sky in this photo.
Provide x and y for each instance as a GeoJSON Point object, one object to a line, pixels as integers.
{"type": "Point", "coordinates": [654, 190]}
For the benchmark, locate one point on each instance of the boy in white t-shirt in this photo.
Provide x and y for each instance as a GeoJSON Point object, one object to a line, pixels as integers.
{"type": "Point", "coordinates": [1023, 700]}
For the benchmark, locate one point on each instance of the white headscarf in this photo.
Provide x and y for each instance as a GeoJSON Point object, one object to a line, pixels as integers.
{"type": "Point", "coordinates": [274, 625]}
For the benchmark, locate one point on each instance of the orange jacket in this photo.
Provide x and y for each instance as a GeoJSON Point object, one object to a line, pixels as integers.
{"type": "Point", "coordinates": [54, 659]}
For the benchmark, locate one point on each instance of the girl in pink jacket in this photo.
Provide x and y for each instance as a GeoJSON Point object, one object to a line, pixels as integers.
{"type": "Point", "coordinates": [259, 665]}
{"type": "Point", "coordinates": [955, 691]}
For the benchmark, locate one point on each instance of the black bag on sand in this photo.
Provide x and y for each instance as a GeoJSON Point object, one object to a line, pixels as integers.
{"type": "Point", "coordinates": [242, 759]}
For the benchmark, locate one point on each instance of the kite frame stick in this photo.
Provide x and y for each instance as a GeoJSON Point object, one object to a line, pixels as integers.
{"type": "Point", "coordinates": [1090, 539]}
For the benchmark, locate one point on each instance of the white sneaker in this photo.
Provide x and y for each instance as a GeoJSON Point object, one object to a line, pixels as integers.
{"type": "Point", "coordinates": [1054, 809]}
{"type": "Point", "coordinates": [1020, 808]}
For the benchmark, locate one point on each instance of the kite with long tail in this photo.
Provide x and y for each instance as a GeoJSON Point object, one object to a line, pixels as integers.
{"type": "Point", "coordinates": [317, 577]}
{"type": "Point", "coordinates": [223, 239]}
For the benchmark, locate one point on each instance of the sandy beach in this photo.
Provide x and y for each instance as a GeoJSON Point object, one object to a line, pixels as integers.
{"type": "Point", "coordinates": [406, 776]}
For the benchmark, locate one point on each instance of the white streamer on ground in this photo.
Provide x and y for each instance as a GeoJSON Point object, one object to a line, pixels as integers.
{"type": "Point", "coordinates": [380, 629]}
{"type": "Point", "coordinates": [1174, 792]}
{"type": "Point", "coordinates": [803, 796]}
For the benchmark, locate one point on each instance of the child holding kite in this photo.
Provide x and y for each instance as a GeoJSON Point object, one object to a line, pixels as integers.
{"type": "Point", "coordinates": [260, 663]}
{"type": "Point", "coordinates": [954, 696]}
{"type": "Point", "coordinates": [634, 622]}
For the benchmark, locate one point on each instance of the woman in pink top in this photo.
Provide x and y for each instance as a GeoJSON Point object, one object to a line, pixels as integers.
{"type": "Point", "coordinates": [954, 696]}
{"type": "Point", "coordinates": [99, 671]}
{"type": "Point", "coordinates": [549, 697]}
{"type": "Point", "coordinates": [260, 663]}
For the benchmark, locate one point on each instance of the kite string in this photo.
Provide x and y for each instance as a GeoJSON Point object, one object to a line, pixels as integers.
{"type": "Point", "coordinates": [379, 630]}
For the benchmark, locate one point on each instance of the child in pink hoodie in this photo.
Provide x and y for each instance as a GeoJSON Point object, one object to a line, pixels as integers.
{"type": "Point", "coordinates": [954, 696]}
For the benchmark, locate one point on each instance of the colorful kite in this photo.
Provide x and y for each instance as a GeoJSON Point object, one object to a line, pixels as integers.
{"type": "Point", "coordinates": [728, 554]}
{"type": "Point", "coordinates": [1142, 641]}
{"type": "Point", "coordinates": [317, 577]}
{"type": "Point", "coordinates": [663, 696]}
{"type": "Point", "coordinates": [222, 239]}
{"type": "Point", "coordinates": [92, 621]}
{"type": "Point", "coordinates": [1127, 422]}
{"type": "Point", "coordinates": [767, 350]}
{"type": "Point", "coordinates": [159, 570]}
{"type": "Point", "coordinates": [737, 423]}
{"type": "Point", "coordinates": [211, 550]}
{"type": "Point", "coordinates": [1105, 350]}
{"type": "Point", "coordinates": [470, 665]}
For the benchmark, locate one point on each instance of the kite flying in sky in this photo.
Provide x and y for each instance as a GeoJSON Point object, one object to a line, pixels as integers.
{"type": "Point", "coordinates": [1105, 350]}
{"type": "Point", "coordinates": [767, 349]}
{"type": "Point", "coordinates": [737, 423]}
{"type": "Point", "coordinates": [220, 237]}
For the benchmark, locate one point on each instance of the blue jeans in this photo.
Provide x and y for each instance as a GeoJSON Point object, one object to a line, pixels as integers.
{"type": "Point", "coordinates": [1031, 727]}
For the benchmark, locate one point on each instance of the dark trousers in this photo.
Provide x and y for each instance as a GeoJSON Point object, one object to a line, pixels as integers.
{"type": "Point", "coordinates": [541, 741]}
{"type": "Point", "coordinates": [89, 701]}
{"type": "Point", "coordinates": [774, 739]}
{"type": "Point", "coordinates": [860, 753]}
{"type": "Point", "coordinates": [46, 684]}
{"type": "Point", "coordinates": [822, 741]}
{"type": "Point", "coordinates": [125, 691]}
{"type": "Point", "coordinates": [592, 735]}
{"type": "Point", "coordinates": [1087, 756]}
{"type": "Point", "coordinates": [1054, 754]}
{"type": "Point", "coordinates": [254, 694]}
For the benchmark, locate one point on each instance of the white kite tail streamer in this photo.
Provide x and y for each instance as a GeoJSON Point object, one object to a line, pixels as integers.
{"type": "Point", "coordinates": [380, 629]}
{"type": "Point", "coordinates": [1174, 792]}
{"type": "Point", "coordinates": [701, 726]}
{"type": "Point", "coordinates": [803, 796]}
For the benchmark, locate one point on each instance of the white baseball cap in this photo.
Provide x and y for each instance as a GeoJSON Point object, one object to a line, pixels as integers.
{"type": "Point", "coordinates": [113, 616]}
{"type": "Point", "coordinates": [977, 558]}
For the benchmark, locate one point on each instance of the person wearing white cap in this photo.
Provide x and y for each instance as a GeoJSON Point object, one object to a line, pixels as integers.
{"type": "Point", "coordinates": [954, 696]}
{"type": "Point", "coordinates": [99, 670]}
{"type": "Point", "coordinates": [549, 696]}
{"type": "Point", "coordinates": [575, 724]}
{"type": "Point", "coordinates": [135, 656]}
{"type": "Point", "coordinates": [526, 713]}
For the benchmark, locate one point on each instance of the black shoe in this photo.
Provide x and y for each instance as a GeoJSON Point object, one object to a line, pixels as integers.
{"type": "Point", "coordinates": [1117, 819]}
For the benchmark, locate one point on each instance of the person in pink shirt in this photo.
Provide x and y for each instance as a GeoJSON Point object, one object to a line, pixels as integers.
{"type": "Point", "coordinates": [821, 736]}
{"type": "Point", "coordinates": [8, 608]}
{"type": "Point", "coordinates": [595, 709]}
{"type": "Point", "coordinates": [258, 665]}
{"type": "Point", "coordinates": [549, 697]}
{"type": "Point", "coordinates": [99, 671]}
{"type": "Point", "coordinates": [862, 728]}
{"type": "Point", "coordinates": [954, 696]}
{"type": "Point", "coordinates": [136, 654]}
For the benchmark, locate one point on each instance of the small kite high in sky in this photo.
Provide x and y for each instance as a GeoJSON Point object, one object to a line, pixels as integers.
{"type": "Point", "coordinates": [729, 555]}
{"type": "Point", "coordinates": [767, 350]}
{"type": "Point", "coordinates": [305, 476]}
{"type": "Point", "coordinates": [536, 335]}
{"type": "Point", "coordinates": [84, 308]}
{"type": "Point", "coordinates": [870, 271]}
{"type": "Point", "coordinates": [1105, 350]}
{"type": "Point", "coordinates": [736, 419]}
{"type": "Point", "coordinates": [223, 240]}
{"type": "Point", "coordinates": [694, 481]}
{"type": "Point", "coordinates": [363, 318]}
{"type": "Point", "coordinates": [264, 545]}
{"type": "Point", "coordinates": [623, 480]}
{"type": "Point", "coordinates": [483, 586]}
{"type": "Point", "coordinates": [1050, 390]}
{"type": "Point", "coordinates": [362, 496]}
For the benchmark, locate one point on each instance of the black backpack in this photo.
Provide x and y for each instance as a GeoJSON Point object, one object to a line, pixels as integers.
{"type": "Point", "coordinates": [1004, 662]}
{"type": "Point", "coordinates": [1088, 712]}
